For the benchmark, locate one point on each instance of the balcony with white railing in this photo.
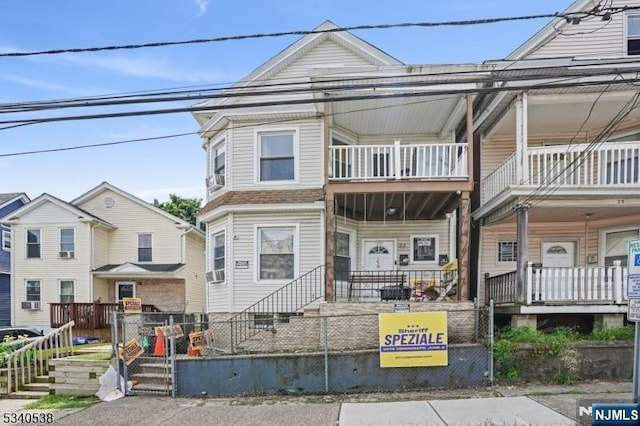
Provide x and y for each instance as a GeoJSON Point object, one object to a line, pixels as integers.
{"type": "Point", "coordinates": [437, 161]}
{"type": "Point", "coordinates": [569, 166]}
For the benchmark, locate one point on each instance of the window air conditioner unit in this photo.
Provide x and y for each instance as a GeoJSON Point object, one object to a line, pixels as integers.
{"type": "Point", "coordinates": [214, 182]}
{"type": "Point", "coordinates": [209, 276]}
{"type": "Point", "coordinates": [31, 306]}
{"type": "Point", "coordinates": [215, 276]}
{"type": "Point", "coordinates": [67, 254]}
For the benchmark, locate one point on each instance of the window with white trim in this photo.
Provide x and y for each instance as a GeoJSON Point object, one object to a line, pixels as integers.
{"type": "Point", "coordinates": [276, 253]}
{"type": "Point", "coordinates": [145, 248]}
{"type": "Point", "coordinates": [33, 290]}
{"type": "Point", "coordinates": [67, 294]}
{"type": "Point", "coordinates": [424, 248]}
{"type": "Point", "coordinates": [67, 242]}
{"type": "Point", "coordinates": [276, 153]}
{"type": "Point", "coordinates": [217, 166]}
{"type": "Point", "coordinates": [125, 289]}
{"type": "Point", "coordinates": [342, 258]}
{"type": "Point", "coordinates": [218, 254]}
{"type": "Point", "coordinates": [633, 34]}
{"type": "Point", "coordinates": [6, 240]}
{"type": "Point", "coordinates": [33, 244]}
{"type": "Point", "coordinates": [507, 251]}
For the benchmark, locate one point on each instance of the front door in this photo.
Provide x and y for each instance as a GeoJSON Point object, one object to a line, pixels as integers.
{"type": "Point", "coordinates": [379, 255]}
{"type": "Point", "coordinates": [559, 254]}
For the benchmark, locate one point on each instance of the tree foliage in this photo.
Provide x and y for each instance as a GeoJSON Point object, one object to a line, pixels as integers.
{"type": "Point", "coordinates": [184, 208]}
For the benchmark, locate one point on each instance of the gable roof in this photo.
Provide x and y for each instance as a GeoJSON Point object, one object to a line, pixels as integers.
{"type": "Point", "coordinates": [325, 31]}
{"type": "Point", "coordinates": [106, 186]}
{"type": "Point", "coordinates": [8, 198]}
{"type": "Point", "coordinates": [83, 215]}
{"type": "Point", "coordinates": [551, 30]}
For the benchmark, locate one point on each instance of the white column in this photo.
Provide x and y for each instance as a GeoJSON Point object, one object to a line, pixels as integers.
{"type": "Point", "coordinates": [522, 165]}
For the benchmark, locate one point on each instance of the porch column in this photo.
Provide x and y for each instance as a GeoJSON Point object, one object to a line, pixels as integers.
{"type": "Point", "coordinates": [522, 165]}
{"type": "Point", "coordinates": [463, 245]}
{"type": "Point", "coordinates": [330, 246]}
{"type": "Point", "coordinates": [522, 255]}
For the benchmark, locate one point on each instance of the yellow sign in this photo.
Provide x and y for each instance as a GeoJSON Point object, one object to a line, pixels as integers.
{"type": "Point", "coordinates": [416, 339]}
{"type": "Point", "coordinates": [132, 305]}
{"type": "Point", "coordinates": [196, 339]}
{"type": "Point", "coordinates": [131, 351]}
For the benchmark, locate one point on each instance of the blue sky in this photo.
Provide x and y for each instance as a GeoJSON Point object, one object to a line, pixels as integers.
{"type": "Point", "coordinates": [156, 168]}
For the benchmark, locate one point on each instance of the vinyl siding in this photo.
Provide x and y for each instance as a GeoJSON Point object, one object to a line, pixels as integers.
{"type": "Point", "coordinates": [309, 162]}
{"type": "Point", "coordinates": [100, 246]}
{"type": "Point", "coordinates": [132, 218]}
{"type": "Point", "coordinates": [591, 39]}
{"type": "Point", "coordinates": [246, 290]}
{"type": "Point", "coordinates": [219, 294]}
{"type": "Point", "coordinates": [402, 233]}
{"type": "Point", "coordinates": [194, 274]}
{"type": "Point", "coordinates": [545, 232]}
{"type": "Point", "coordinates": [49, 269]}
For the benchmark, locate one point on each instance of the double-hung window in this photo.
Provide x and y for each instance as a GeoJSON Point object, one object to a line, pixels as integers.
{"type": "Point", "coordinates": [6, 239]}
{"type": "Point", "coordinates": [67, 294]}
{"type": "Point", "coordinates": [217, 164]}
{"type": "Point", "coordinates": [218, 255]}
{"type": "Point", "coordinates": [424, 248]}
{"type": "Point", "coordinates": [32, 291]}
{"type": "Point", "coordinates": [33, 244]}
{"type": "Point", "coordinates": [633, 34]}
{"type": "Point", "coordinates": [276, 151]}
{"type": "Point", "coordinates": [276, 253]}
{"type": "Point", "coordinates": [145, 247]}
{"type": "Point", "coordinates": [67, 242]}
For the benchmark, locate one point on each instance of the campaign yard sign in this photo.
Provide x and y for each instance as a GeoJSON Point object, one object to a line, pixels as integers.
{"type": "Point", "coordinates": [132, 305]}
{"type": "Point", "coordinates": [415, 339]}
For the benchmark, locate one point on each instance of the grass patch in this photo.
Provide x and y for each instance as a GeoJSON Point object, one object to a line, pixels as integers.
{"type": "Point", "coordinates": [57, 402]}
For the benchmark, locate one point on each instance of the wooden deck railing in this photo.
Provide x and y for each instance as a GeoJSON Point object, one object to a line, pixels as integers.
{"type": "Point", "coordinates": [87, 316]}
{"type": "Point", "coordinates": [501, 288]}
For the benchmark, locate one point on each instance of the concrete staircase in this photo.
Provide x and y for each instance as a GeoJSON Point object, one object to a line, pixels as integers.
{"type": "Point", "coordinates": [152, 376]}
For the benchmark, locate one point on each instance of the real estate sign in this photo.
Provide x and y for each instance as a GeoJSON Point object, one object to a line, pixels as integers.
{"type": "Point", "coordinates": [416, 339]}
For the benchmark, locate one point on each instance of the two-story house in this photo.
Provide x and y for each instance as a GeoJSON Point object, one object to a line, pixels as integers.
{"type": "Point", "coordinates": [332, 160]}
{"type": "Point", "coordinates": [559, 187]}
{"type": "Point", "coordinates": [8, 203]}
{"type": "Point", "coordinates": [97, 249]}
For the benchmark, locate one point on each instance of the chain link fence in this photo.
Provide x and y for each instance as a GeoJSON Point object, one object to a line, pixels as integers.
{"type": "Point", "coordinates": [187, 355]}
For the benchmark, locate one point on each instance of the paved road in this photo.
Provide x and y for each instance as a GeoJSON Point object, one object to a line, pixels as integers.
{"type": "Point", "coordinates": [498, 405]}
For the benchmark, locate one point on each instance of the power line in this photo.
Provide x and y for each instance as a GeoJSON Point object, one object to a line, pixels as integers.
{"type": "Point", "coordinates": [484, 21]}
{"type": "Point", "coordinates": [421, 93]}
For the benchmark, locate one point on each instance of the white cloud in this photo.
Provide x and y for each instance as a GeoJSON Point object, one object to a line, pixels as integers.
{"type": "Point", "coordinates": [145, 67]}
{"type": "Point", "coordinates": [41, 84]}
{"type": "Point", "coordinates": [203, 5]}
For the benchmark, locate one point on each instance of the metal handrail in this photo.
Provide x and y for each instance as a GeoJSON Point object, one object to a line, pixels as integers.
{"type": "Point", "coordinates": [286, 301]}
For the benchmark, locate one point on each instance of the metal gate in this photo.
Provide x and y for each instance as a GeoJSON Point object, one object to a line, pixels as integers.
{"type": "Point", "coordinates": [147, 352]}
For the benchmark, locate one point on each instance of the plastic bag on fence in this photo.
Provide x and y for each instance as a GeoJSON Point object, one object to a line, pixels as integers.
{"type": "Point", "coordinates": [109, 389]}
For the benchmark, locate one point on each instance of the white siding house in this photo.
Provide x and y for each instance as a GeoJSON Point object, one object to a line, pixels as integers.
{"type": "Point", "coordinates": [102, 246]}
{"type": "Point", "coordinates": [304, 193]}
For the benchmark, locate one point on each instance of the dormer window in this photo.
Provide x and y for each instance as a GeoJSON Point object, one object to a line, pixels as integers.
{"type": "Point", "coordinates": [633, 35]}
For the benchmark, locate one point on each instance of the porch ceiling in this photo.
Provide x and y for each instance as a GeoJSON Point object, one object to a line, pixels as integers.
{"type": "Point", "coordinates": [427, 115]}
{"type": "Point", "coordinates": [541, 214]}
{"type": "Point", "coordinates": [399, 206]}
{"type": "Point", "coordinates": [563, 112]}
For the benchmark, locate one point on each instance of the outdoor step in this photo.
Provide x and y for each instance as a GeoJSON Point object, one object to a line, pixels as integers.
{"type": "Point", "coordinates": [151, 388]}
{"type": "Point", "coordinates": [41, 379]}
{"type": "Point", "coordinates": [141, 376]}
{"type": "Point", "coordinates": [27, 395]}
{"type": "Point", "coordinates": [40, 387]}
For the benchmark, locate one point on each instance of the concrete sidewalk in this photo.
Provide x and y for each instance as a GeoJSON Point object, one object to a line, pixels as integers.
{"type": "Point", "coordinates": [497, 405]}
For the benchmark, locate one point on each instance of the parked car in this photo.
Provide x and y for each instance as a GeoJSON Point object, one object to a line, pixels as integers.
{"type": "Point", "coordinates": [13, 333]}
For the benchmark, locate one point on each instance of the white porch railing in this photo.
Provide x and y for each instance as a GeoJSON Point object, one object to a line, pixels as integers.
{"type": "Point", "coordinates": [597, 284]}
{"type": "Point", "coordinates": [569, 166]}
{"type": "Point", "coordinates": [399, 162]}
{"type": "Point", "coordinates": [31, 360]}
